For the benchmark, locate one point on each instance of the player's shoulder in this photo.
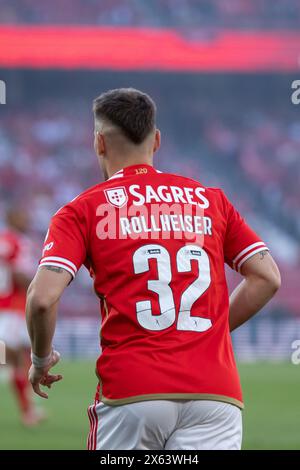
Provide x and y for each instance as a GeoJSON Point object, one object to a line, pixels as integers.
{"type": "Point", "coordinates": [9, 243]}
{"type": "Point", "coordinates": [216, 195]}
{"type": "Point", "coordinates": [191, 181]}
{"type": "Point", "coordinates": [88, 193]}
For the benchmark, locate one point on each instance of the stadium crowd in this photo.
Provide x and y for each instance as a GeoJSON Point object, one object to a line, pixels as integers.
{"type": "Point", "coordinates": [158, 13]}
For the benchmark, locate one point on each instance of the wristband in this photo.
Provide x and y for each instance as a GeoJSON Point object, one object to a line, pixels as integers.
{"type": "Point", "coordinates": [41, 362]}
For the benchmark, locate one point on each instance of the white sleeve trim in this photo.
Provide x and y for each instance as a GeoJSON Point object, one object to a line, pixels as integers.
{"type": "Point", "coordinates": [58, 265]}
{"type": "Point", "coordinates": [250, 247]}
{"type": "Point", "coordinates": [262, 248]}
{"type": "Point", "coordinates": [59, 259]}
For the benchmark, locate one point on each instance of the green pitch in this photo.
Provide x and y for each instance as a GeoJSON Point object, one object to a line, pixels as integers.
{"type": "Point", "coordinates": [271, 417]}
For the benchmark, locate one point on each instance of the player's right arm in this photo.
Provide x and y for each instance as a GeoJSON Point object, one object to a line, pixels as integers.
{"type": "Point", "coordinates": [260, 284]}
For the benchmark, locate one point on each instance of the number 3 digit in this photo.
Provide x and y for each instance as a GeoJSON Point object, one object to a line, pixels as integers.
{"type": "Point", "coordinates": [160, 286]}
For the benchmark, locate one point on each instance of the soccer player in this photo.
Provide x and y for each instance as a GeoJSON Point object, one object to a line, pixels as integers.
{"type": "Point", "coordinates": [16, 272]}
{"type": "Point", "coordinates": [155, 244]}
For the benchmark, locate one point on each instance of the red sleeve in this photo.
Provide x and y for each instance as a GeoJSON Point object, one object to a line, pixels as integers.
{"type": "Point", "coordinates": [65, 244]}
{"type": "Point", "coordinates": [241, 242]}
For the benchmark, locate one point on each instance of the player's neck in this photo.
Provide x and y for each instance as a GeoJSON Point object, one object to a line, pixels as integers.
{"type": "Point", "coordinates": [117, 165]}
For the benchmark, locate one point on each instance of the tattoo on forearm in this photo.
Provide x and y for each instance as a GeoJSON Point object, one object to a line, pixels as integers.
{"type": "Point", "coordinates": [262, 254]}
{"type": "Point", "coordinates": [53, 268]}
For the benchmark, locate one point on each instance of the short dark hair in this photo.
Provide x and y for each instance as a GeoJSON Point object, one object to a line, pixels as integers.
{"type": "Point", "coordinates": [131, 110]}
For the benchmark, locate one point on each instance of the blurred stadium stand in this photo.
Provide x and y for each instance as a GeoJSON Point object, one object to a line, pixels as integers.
{"type": "Point", "coordinates": [236, 131]}
{"type": "Point", "coordinates": [172, 13]}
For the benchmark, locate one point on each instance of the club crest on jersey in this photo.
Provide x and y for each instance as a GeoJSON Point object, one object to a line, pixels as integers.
{"type": "Point", "coordinates": [118, 197]}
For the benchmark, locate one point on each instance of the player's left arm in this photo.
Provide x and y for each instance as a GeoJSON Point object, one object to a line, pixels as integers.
{"type": "Point", "coordinates": [64, 253]}
{"type": "Point", "coordinates": [43, 297]}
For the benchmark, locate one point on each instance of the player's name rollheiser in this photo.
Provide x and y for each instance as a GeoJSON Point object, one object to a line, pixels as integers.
{"type": "Point", "coordinates": [197, 224]}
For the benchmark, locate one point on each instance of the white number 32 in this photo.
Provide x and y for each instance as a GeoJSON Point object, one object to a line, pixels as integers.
{"type": "Point", "coordinates": [161, 286]}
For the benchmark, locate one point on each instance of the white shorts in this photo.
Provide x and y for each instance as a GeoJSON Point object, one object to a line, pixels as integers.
{"type": "Point", "coordinates": [165, 424]}
{"type": "Point", "coordinates": [13, 331]}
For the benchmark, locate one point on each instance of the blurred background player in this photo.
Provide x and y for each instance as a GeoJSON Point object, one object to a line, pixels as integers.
{"type": "Point", "coordinates": [16, 264]}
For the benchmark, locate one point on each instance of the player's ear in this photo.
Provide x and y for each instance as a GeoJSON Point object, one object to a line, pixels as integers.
{"type": "Point", "coordinates": [96, 142]}
{"type": "Point", "coordinates": [100, 147]}
{"type": "Point", "coordinates": [157, 140]}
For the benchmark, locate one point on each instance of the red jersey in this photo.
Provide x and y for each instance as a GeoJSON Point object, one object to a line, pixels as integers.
{"type": "Point", "coordinates": [155, 244]}
{"type": "Point", "coordinates": [15, 257]}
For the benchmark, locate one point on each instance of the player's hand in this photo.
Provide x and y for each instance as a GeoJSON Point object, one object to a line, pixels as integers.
{"type": "Point", "coordinates": [40, 376]}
